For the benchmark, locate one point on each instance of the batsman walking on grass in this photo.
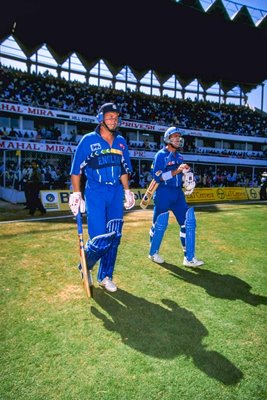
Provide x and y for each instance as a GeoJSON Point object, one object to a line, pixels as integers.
{"type": "Point", "coordinates": [103, 157]}
{"type": "Point", "coordinates": [170, 175]}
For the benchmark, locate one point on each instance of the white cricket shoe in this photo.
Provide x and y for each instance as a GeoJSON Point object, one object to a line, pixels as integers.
{"type": "Point", "coordinates": [108, 284]}
{"type": "Point", "coordinates": [193, 263]}
{"type": "Point", "coordinates": [156, 258]}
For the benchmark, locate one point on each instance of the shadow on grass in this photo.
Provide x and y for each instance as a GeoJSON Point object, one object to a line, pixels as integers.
{"type": "Point", "coordinates": [221, 286]}
{"type": "Point", "coordinates": [162, 331]}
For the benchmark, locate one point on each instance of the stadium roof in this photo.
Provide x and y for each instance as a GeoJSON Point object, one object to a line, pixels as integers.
{"type": "Point", "coordinates": [168, 37]}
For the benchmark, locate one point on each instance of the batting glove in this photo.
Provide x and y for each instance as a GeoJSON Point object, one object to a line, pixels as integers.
{"type": "Point", "coordinates": [189, 183]}
{"type": "Point", "coordinates": [129, 199]}
{"type": "Point", "coordinates": [76, 203]}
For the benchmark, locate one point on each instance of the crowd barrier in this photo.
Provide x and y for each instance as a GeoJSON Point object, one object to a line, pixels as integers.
{"type": "Point", "coordinates": [57, 200]}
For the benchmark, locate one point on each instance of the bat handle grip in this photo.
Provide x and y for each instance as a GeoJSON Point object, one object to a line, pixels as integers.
{"type": "Point", "coordinates": [79, 221]}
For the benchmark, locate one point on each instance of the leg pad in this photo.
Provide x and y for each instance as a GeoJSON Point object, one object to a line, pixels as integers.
{"type": "Point", "coordinates": [107, 263]}
{"type": "Point", "coordinates": [157, 232]}
{"type": "Point", "coordinates": [190, 233]}
{"type": "Point", "coordinates": [97, 247]}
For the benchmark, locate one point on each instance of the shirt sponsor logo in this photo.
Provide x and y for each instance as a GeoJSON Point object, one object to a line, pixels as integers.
{"type": "Point", "coordinates": [171, 163]}
{"type": "Point", "coordinates": [95, 146]}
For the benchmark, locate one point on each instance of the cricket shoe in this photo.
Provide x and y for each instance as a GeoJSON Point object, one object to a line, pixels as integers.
{"type": "Point", "coordinates": [193, 263]}
{"type": "Point", "coordinates": [108, 284]}
{"type": "Point", "coordinates": [156, 258]}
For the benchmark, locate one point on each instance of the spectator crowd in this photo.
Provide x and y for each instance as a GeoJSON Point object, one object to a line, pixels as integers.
{"type": "Point", "coordinates": [55, 93]}
{"type": "Point", "coordinates": [72, 96]}
{"type": "Point", "coordinates": [55, 175]}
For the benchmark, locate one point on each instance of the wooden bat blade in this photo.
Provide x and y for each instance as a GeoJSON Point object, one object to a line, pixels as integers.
{"type": "Point", "coordinates": [148, 194]}
{"type": "Point", "coordinates": [144, 202]}
{"type": "Point", "coordinates": [84, 268]}
{"type": "Point", "coordinates": [86, 275]}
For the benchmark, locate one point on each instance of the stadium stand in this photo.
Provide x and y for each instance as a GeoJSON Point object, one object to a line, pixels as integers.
{"type": "Point", "coordinates": [53, 93]}
{"type": "Point", "coordinates": [43, 116]}
{"type": "Point", "coordinates": [20, 88]}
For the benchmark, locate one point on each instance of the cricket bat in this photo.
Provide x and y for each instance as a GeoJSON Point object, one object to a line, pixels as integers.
{"type": "Point", "coordinates": [86, 274]}
{"type": "Point", "coordinates": [148, 194]}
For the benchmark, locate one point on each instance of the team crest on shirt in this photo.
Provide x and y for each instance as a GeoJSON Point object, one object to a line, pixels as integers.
{"type": "Point", "coordinates": [95, 146]}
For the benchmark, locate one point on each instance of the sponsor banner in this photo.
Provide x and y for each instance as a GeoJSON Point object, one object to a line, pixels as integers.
{"type": "Point", "coordinates": [83, 118]}
{"type": "Point", "coordinates": [202, 196]}
{"type": "Point", "coordinates": [58, 200]}
{"type": "Point", "coordinates": [60, 114]}
{"type": "Point", "coordinates": [142, 126]}
{"type": "Point", "coordinates": [55, 148]}
{"type": "Point", "coordinates": [231, 193]}
{"type": "Point", "coordinates": [142, 154]}
{"type": "Point", "coordinates": [217, 194]}
{"type": "Point", "coordinates": [27, 110]}
{"type": "Point", "coordinates": [253, 193]}
{"type": "Point", "coordinates": [205, 195]}
{"type": "Point", "coordinates": [55, 200]}
{"type": "Point", "coordinates": [19, 145]}
{"type": "Point", "coordinates": [47, 113]}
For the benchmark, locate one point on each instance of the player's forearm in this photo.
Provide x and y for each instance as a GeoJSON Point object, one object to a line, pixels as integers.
{"type": "Point", "coordinates": [170, 174]}
{"type": "Point", "coordinates": [75, 181]}
{"type": "Point", "coordinates": [125, 181]}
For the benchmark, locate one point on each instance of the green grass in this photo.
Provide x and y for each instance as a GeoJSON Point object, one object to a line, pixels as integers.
{"type": "Point", "coordinates": [168, 333]}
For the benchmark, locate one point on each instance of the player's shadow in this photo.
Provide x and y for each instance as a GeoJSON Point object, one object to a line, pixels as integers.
{"type": "Point", "coordinates": [162, 331]}
{"type": "Point", "coordinates": [223, 286]}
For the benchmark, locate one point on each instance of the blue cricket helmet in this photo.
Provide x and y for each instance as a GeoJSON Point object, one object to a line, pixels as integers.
{"type": "Point", "coordinates": [107, 107]}
{"type": "Point", "coordinates": [170, 131]}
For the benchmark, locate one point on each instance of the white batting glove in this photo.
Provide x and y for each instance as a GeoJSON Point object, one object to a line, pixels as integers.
{"type": "Point", "coordinates": [76, 203]}
{"type": "Point", "coordinates": [129, 199]}
{"type": "Point", "coordinates": [189, 183]}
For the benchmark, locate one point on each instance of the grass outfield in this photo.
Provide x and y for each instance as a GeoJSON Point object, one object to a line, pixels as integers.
{"type": "Point", "coordinates": [168, 333]}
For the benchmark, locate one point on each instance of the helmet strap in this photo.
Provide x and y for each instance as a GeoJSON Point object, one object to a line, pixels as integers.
{"type": "Point", "coordinates": [110, 130]}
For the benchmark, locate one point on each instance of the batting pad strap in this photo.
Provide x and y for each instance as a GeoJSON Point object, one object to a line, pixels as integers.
{"type": "Point", "coordinates": [157, 232]}
{"type": "Point", "coordinates": [97, 247]}
{"type": "Point", "coordinates": [115, 225]}
{"type": "Point", "coordinates": [190, 231]}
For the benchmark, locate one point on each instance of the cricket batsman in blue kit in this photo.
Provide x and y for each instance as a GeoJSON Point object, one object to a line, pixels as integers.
{"type": "Point", "coordinates": [172, 174]}
{"type": "Point", "coordinates": [103, 157]}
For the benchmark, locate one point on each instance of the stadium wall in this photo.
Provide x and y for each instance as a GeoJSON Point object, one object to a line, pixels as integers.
{"type": "Point", "coordinates": [57, 200]}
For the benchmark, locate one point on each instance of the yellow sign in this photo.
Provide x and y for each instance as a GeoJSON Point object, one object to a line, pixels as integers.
{"type": "Point", "coordinates": [202, 196]}
{"type": "Point", "coordinates": [253, 193]}
{"type": "Point", "coordinates": [55, 200]}
{"type": "Point", "coordinates": [58, 200]}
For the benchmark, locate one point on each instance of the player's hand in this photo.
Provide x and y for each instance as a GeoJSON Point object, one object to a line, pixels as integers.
{"type": "Point", "coordinates": [183, 168]}
{"type": "Point", "coordinates": [129, 199]}
{"type": "Point", "coordinates": [189, 183]}
{"type": "Point", "coordinates": [76, 203]}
